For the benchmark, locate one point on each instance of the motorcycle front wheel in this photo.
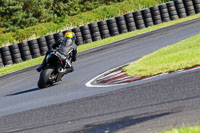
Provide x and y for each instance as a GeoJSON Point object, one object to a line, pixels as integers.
{"type": "Point", "coordinates": [44, 79]}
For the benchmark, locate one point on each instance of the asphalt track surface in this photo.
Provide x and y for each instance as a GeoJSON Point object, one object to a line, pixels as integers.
{"type": "Point", "coordinates": [143, 106]}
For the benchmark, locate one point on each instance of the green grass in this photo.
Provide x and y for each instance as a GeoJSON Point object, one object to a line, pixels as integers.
{"type": "Point", "coordinates": [12, 68]}
{"type": "Point", "coordinates": [194, 129]}
{"type": "Point", "coordinates": [184, 54]}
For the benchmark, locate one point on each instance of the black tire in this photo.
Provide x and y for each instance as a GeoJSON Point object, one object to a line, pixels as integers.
{"type": "Point", "coordinates": [85, 32]}
{"type": "Point", "coordinates": [93, 25]}
{"type": "Point", "coordinates": [196, 2]}
{"type": "Point", "coordinates": [84, 27]}
{"type": "Point", "coordinates": [76, 30]}
{"type": "Point", "coordinates": [102, 23]}
{"type": "Point", "coordinates": [44, 77]}
{"type": "Point", "coordinates": [197, 8]}
{"type": "Point", "coordinates": [128, 15]}
{"type": "Point", "coordinates": [41, 39]}
{"type": "Point", "coordinates": [58, 36]}
{"type": "Point", "coordinates": [130, 20]}
{"type": "Point", "coordinates": [49, 37]}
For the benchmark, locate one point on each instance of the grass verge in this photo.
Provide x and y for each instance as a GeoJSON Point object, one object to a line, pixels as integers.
{"type": "Point", "coordinates": [15, 67]}
{"type": "Point", "coordinates": [184, 54]}
{"type": "Point", "coordinates": [194, 129]}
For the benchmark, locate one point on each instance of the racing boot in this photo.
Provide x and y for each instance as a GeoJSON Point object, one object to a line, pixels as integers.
{"type": "Point", "coordinates": [42, 66]}
{"type": "Point", "coordinates": [69, 70]}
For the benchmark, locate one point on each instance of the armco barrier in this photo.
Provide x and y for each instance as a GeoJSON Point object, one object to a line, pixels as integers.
{"type": "Point", "coordinates": [172, 10]}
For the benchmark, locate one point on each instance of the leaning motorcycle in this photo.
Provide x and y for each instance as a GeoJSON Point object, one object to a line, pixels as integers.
{"type": "Point", "coordinates": [54, 70]}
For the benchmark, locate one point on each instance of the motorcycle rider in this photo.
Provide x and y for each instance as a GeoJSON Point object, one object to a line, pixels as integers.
{"type": "Point", "coordinates": [63, 46]}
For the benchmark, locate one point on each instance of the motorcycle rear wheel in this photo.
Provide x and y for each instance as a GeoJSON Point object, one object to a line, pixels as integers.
{"type": "Point", "coordinates": [44, 77]}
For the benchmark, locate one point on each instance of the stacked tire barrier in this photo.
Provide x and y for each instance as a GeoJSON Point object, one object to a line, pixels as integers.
{"type": "Point", "coordinates": [1, 61]}
{"type": "Point", "coordinates": [180, 8]}
{"type": "Point", "coordinates": [156, 15]}
{"type": "Point", "coordinates": [121, 23]}
{"type": "Point", "coordinates": [25, 51]}
{"type": "Point", "coordinates": [86, 34]}
{"type": "Point", "coordinates": [139, 21]}
{"type": "Point", "coordinates": [15, 53]}
{"type": "Point", "coordinates": [50, 41]}
{"type": "Point", "coordinates": [112, 26]}
{"type": "Point", "coordinates": [164, 13]}
{"type": "Point", "coordinates": [6, 56]}
{"type": "Point", "coordinates": [130, 22]}
{"type": "Point", "coordinates": [172, 10]}
{"type": "Point", "coordinates": [79, 38]}
{"type": "Point", "coordinates": [95, 31]}
{"type": "Point", "coordinates": [34, 48]}
{"type": "Point", "coordinates": [42, 45]}
{"type": "Point", "coordinates": [146, 13]}
{"type": "Point", "coordinates": [104, 31]}
{"type": "Point", "coordinates": [196, 5]}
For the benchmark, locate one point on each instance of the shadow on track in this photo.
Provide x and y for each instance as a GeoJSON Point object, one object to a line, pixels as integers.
{"type": "Point", "coordinates": [23, 92]}
{"type": "Point", "coordinates": [121, 123]}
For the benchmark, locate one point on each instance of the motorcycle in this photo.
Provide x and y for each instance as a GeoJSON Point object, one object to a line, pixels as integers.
{"type": "Point", "coordinates": [54, 70]}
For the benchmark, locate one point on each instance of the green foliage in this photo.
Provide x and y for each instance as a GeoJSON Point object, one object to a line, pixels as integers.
{"type": "Point", "coordinates": [26, 19]}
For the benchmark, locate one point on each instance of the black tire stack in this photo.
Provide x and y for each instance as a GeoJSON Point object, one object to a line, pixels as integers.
{"type": "Point", "coordinates": [25, 51]}
{"type": "Point", "coordinates": [146, 13]}
{"type": "Point", "coordinates": [95, 33]}
{"type": "Point", "coordinates": [189, 7]}
{"type": "Point", "coordinates": [42, 45]}
{"type": "Point", "coordinates": [130, 22]}
{"type": "Point", "coordinates": [58, 36]}
{"type": "Point", "coordinates": [50, 41]}
{"type": "Point", "coordinates": [79, 38]}
{"type": "Point", "coordinates": [197, 5]}
{"type": "Point", "coordinates": [34, 48]}
{"type": "Point", "coordinates": [6, 56]}
{"type": "Point", "coordinates": [112, 26]}
{"type": "Point", "coordinates": [139, 20]}
{"type": "Point", "coordinates": [121, 23]}
{"type": "Point", "coordinates": [156, 15]}
{"type": "Point", "coordinates": [104, 31]}
{"type": "Point", "coordinates": [15, 53]}
{"type": "Point", "coordinates": [1, 61]}
{"type": "Point", "coordinates": [164, 13]}
{"type": "Point", "coordinates": [172, 10]}
{"type": "Point", "coordinates": [180, 8]}
{"type": "Point", "coordinates": [86, 34]}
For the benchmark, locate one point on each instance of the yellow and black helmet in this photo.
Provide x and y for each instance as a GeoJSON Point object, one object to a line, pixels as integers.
{"type": "Point", "coordinates": [70, 35]}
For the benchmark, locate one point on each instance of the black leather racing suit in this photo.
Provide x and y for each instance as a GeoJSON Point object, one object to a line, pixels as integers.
{"type": "Point", "coordinates": [63, 46]}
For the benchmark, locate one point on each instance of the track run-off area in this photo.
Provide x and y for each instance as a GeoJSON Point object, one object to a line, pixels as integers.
{"type": "Point", "coordinates": [142, 106]}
